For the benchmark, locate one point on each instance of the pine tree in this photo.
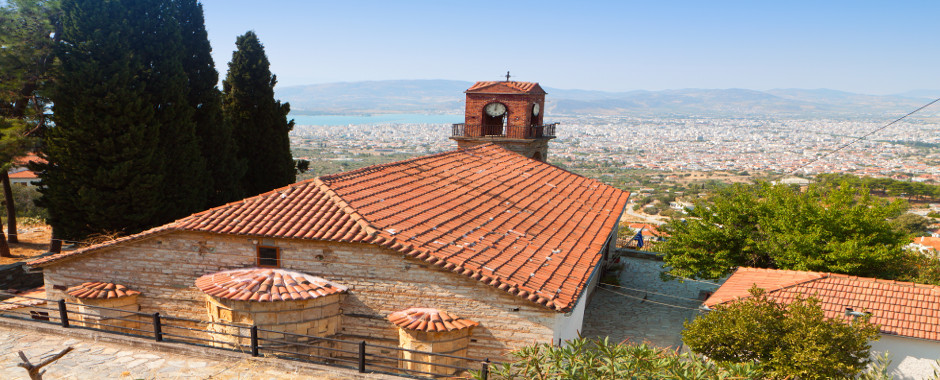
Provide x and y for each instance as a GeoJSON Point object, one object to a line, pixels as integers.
{"type": "Point", "coordinates": [123, 154]}
{"type": "Point", "coordinates": [216, 143]}
{"type": "Point", "coordinates": [27, 34]}
{"type": "Point", "coordinates": [258, 121]}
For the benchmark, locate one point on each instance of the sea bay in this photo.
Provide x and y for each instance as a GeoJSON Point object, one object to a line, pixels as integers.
{"type": "Point", "coordinates": [402, 118]}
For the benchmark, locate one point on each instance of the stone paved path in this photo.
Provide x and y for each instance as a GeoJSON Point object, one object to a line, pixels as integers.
{"type": "Point", "coordinates": [619, 314]}
{"type": "Point", "coordinates": [97, 360]}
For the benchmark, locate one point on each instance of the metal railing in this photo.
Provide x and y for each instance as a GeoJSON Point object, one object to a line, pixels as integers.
{"type": "Point", "coordinates": [536, 131]}
{"type": "Point", "coordinates": [358, 355]}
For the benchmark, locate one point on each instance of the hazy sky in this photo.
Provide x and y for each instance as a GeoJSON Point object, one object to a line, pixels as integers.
{"type": "Point", "coordinates": [874, 47]}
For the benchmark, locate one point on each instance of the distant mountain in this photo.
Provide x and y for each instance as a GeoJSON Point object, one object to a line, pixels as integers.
{"type": "Point", "coordinates": [924, 94]}
{"type": "Point", "coordinates": [390, 96]}
{"type": "Point", "coordinates": [446, 96]}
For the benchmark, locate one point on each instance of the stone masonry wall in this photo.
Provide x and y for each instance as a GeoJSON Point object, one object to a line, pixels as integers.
{"type": "Point", "coordinates": [164, 268]}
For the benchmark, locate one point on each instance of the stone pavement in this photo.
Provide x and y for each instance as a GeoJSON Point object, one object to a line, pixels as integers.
{"type": "Point", "coordinates": [92, 358]}
{"type": "Point", "coordinates": [634, 313]}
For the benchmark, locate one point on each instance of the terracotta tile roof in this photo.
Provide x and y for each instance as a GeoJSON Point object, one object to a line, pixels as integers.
{"type": "Point", "coordinates": [25, 174]}
{"type": "Point", "coordinates": [927, 241]}
{"type": "Point", "coordinates": [506, 87]}
{"type": "Point", "coordinates": [523, 226]}
{"type": "Point", "coordinates": [429, 320]}
{"type": "Point", "coordinates": [100, 290]}
{"type": "Point", "coordinates": [28, 298]}
{"type": "Point", "coordinates": [266, 285]}
{"type": "Point", "coordinates": [29, 157]}
{"type": "Point", "coordinates": [899, 308]}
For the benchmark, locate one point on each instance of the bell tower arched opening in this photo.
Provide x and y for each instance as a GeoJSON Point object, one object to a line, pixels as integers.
{"type": "Point", "coordinates": [494, 119]}
{"type": "Point", "coordinates": [509, 114]}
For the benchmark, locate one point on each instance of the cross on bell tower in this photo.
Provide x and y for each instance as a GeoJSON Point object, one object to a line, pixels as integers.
{"type": "Point", "coordinates": [506, 113]}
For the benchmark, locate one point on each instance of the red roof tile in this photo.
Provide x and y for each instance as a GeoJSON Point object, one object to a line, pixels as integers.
{"type": "Point", "coordinates": [899, 308]}
{"type": "Point", "coordinates": [29, 157]}
{"type": "Point", "coordinates": [506, 87]}
{"type": "Point", "coordinates": [28, 298]}
{"type": "Point", "coordinates": [429, 320]}
{"type": "Point", "coordinates": [523, 226]}
{"type": "Point", "coordinates": [927, 241]}
{"type": "Point", "coordinates": [25, 174]}
{"type": "Point", "coordinates": [100, 290]}
{"type": "Point", "coordinates": [266, 285]}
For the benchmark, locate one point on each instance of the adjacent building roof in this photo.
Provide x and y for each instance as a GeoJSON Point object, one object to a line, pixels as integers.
{"type": "Point", "coordinates": [27, 158]}
{"type": "Point", "coordinates": [429, 320]}
{"type": "Point", "coordinates": [928, 242]}
{"type": "Point", "coordinates": [33, 297]}
{"type": "Point", "coordinates": [523, 226]}
{"type": "Point", "coordinates": [503, 87]}
{"type": "Point", "coordinates": [24, 175]}
{"type": "Point", "coordinates": [100, 290]}
{"type": "Point", "coordinates": [266, 285]}
{"type": "Point", "coordinates": [900, 308]}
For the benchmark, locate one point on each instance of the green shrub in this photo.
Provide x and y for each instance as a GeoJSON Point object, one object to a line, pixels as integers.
{"type": "Point", "coordinates": [792, 341]}
{"type": "Point", "coordinates": [584, 359]}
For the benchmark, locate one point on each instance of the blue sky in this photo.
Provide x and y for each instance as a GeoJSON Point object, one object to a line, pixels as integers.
{"type": "Point", "coordinates": [874, 47]}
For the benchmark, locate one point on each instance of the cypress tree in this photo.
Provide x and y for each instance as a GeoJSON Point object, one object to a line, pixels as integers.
{"type": "Point", "coordinates": [259, 122]}
{"type": "Point", "coordinates": [123, 154]}
{"type": "Point", "coordinates": [160, 43]}
{"type": "Point", "coordinates": [216, 143]}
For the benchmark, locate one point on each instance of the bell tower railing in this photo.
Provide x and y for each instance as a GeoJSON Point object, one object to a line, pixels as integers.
{"type": "Point", "coordinates": [532, 132]}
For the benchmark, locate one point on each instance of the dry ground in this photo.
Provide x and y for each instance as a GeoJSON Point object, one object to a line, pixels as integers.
{"type": "Point", "coordinates": [34, 241]}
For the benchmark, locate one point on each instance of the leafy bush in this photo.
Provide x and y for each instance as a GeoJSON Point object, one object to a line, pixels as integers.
{"type": "Point", "coordinates": [24, 199]}
{"type": "Point", "coordinates": [584, 359]}
{"type": "Point", "coordinates": [792, 341]}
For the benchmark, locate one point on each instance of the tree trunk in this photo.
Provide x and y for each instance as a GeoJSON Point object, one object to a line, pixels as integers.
{"type": "Point", "coordinates": [55, 245]}
{"type": "Point", "coordinates": [11, 208]}
{"type": "Point", "coordinates": [4, 247]}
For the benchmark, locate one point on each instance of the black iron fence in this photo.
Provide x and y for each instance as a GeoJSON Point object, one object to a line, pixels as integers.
{"type": "Point", "coordinates": [248, 339]}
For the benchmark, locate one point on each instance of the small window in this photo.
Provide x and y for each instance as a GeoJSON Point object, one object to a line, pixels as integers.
{"type": "Point", "coordinates": [39, 315]}
{"type": "Point", "coordinates": [269, 256]}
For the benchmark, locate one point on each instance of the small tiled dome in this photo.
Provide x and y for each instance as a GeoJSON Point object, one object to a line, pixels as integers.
{"type": "Point", "coordinates": [429, 320]}
{"type": "Point", "coordinates": [266, 284]}
{"type": "Point", "coordinates": [100, 290]}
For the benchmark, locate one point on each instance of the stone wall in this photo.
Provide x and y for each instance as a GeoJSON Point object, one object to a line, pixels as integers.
{"type": "Point", "coordinates": [12, 276]}
{"type": "Point", "coordinates": [164, 268]}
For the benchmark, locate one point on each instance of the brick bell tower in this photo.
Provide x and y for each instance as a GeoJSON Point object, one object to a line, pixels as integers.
{"type": "Point", "coordinates": [508, 114]}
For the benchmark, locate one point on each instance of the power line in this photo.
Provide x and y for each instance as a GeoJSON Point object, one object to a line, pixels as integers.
{"type": "Point", "coordinates": [694, 280]}
{"type": "Point", "coordinates": [843, 146]}
{"type": "Point", "coordinates": [650, 292]}
{"type": "Point", "coordinates": [650, 301]}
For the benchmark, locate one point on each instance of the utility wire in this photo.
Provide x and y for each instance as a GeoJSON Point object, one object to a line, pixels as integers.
{"type": "Point", "coordinates": [843, 146]}
{"type": "Point", "coordinates": [658, 294]}
{"type": "Point", "coordinates": [694, 280]}
{"type": "Point", "coordinates": [646, 300]}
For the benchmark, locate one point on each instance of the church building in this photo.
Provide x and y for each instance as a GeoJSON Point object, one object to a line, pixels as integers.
{"type": "Point", "coordinates": [488, 243]}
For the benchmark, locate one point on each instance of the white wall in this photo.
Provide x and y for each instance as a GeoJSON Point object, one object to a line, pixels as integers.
{"type": "Point", "coordinates": [910, 358]}
{"type": "Point", "coordinates": [568, 326]}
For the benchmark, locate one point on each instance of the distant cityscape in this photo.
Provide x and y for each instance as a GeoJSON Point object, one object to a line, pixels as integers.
{"type": "Point", "coordinates": [910, 148]}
